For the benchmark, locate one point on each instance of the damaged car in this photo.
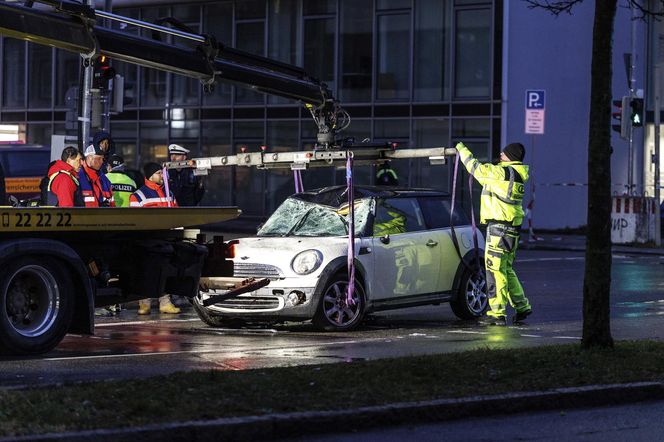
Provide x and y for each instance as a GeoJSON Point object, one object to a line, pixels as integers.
{"type": "Point", "coordinates": [405, 256]}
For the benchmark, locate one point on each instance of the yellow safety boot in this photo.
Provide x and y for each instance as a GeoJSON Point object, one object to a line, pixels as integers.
{"type": "Point", "coordinates": [166, 306]}
{"type": "Point", "coordinates": [144, 307]}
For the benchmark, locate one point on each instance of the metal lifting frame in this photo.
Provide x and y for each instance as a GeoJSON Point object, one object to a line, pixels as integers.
{"type": "Point", "coordinates": [362, 155]}
{"type": "Point", "coordinates": [73, 27]}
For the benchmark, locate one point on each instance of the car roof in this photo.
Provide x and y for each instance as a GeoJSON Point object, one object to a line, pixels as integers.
{"type": "Point", "coordinates": [336, 195]}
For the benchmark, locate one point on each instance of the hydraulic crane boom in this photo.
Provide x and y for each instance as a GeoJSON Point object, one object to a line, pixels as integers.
{"type": "Point", "coordinates": [74, 27]}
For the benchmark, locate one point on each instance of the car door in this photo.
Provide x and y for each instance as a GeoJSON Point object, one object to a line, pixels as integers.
{"type": "Point", "coordinates": [436, 211]}
{"type": "Point", "coordinates": [405, 254]}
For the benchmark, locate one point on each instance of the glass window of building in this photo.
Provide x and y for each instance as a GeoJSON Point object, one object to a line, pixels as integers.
{"type": "Point", "coordinates": [395, 130]}
{"type": "Point", "coordinates": [472, 76]}
{"type": "Point", "coordinates": [249, 135]}
{"type": "Point", "coordinates": [282, 136]}
{"type": "Point", "coordinates": [250, 37]}
{"type": "Point", "coordinates": [218, 21]}
{"type": "Point", "coordinates": [13, 70]}
{"type": "Point", "coordinates": [185, 90]}
{"type": "Point", "coordinates": [393, 4]}
{"type": "Point", "coordinates": [154, 142]}
{"type": "Point", "coordinates": [67, 67]}
{"type": "Point", "coordinates": [284, 36]}
{"type": "Point", "coordinates": [430, 132]}
{"type": "Point", "coordinates": [124, 136]}
{"type": "Point", "coordinates": [319, 58]}
{"type": "Point", "coordinates": [393, 70]}
{"type": "Point", "coordinates": [39, 134]}
{"type": "Point", "coordinates": [40, 79]}
{"type": "Point", "coordinates": [249, 9]}
{"type": "Point", "coordinates": [360, 130]}
{"type": "Point", "coordinates": [216, 141]}
{"type": "Point", "coordinates": [431, 59]}
{"type": "Point", "coordinates": [153, 82]}
{"type": "Point", "coordinates": [315, 7]}
{"type": "Point", "coordinates": [356, 51]}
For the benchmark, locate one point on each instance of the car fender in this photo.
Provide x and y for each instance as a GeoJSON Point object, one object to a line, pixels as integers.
{"type": "Point", "coordinates": [470, 260]}
{"type": "Point", "coordinates": [82, 321]}
{"type": "Point", "coordinates": [332, 268]}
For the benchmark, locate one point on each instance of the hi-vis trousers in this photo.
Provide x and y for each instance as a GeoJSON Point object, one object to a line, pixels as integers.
{"type": "Point", "coordinates": [502, 283]}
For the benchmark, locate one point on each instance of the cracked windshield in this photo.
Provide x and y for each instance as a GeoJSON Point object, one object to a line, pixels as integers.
{"type": "Point", "coordinates": [302, 218]}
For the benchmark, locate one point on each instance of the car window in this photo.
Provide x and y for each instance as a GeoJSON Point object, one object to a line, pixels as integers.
{"type": "Point", "coordinates": [295, 217]}
{"type": "Point", "coordinates": [437, 212]}
{"type": "Point", "coordinates": [397, 215]}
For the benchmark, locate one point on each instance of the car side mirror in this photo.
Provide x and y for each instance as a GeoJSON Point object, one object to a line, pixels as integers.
{"type": "Point", "coordinates": [385, 239]}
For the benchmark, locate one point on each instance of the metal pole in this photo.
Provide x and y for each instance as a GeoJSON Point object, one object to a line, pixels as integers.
{"type": "Point", "coordinates": [632, 83]}
{"type": "Point", "coordinates": [86, 106]}
{"type": "Point", "coordinates": [658, 86]}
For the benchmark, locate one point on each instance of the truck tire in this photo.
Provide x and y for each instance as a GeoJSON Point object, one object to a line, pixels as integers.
{"type": "Point", "coordinates": [332, 313]}
{"type": "Point", "coordinates": [213, 320]}
{"type": "Point", "coordinates": [36, 305]}
{"type": "Point", "coordinates": [472, 299]}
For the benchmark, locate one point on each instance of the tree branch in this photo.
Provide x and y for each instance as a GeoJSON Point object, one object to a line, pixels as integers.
{"type": "Point", "coordinates": [555, 7]}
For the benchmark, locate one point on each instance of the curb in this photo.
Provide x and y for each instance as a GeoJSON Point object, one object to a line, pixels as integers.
{"type": "Point", "coordinates": [281, 425]}
{"type": "Point", "coordinates": [571, 248]}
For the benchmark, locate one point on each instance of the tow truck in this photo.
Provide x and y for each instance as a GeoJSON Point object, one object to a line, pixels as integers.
{"type": "Point", "coordinates": [57, 264]}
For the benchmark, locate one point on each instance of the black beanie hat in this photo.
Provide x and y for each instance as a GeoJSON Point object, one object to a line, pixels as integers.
{"type": "Point", "coordinates": [150, 168]}
{"type": "Point", "coordinates": [515, 151]}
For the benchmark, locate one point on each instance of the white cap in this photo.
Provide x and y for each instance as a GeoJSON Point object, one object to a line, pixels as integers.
{"type": "Point", "coordinates": [175, 149]}
{"type": "Point", "coordinates": [92, 150]}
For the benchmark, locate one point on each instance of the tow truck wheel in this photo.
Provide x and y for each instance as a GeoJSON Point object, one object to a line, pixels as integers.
{"type": "Point", "coordinates": [472, 299]}
{"type": "Point", "coordinates": [36, 305]}
{"type": "Point", "coordinates": [334, 312]}
{"type": "Point", "coordinates": [214, 320]}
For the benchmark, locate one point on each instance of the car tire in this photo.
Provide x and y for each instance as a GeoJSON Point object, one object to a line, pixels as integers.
{"type": "Point", "coordinates": [36, 305]}
{"type": "Point", "coordinates": [331, 313]}
{"type": "Point", "coordinates": [472, 299]}
{"type": "Point", "coordinates": [213, 320]}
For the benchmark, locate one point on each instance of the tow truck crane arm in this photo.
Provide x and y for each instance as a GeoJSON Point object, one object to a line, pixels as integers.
{"type": "Point", "coordinates": [74, 27]}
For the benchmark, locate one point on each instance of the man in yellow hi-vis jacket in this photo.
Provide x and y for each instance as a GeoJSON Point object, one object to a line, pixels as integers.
{"type": "Point", "coordinates": [500, 208]}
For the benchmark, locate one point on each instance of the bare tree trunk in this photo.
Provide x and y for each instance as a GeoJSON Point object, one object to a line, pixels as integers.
{"type": "Point", "coordinates": [597, 279]}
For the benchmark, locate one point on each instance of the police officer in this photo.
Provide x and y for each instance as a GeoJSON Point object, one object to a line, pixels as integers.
{"type": "Point", "coordinates": [123, 186]}
{"type": "Point", "coordinates": [187, 187]}
{"type": "Point", "coordinates": [386, 176]}
{"type": "Point", "coordinates": [500, 208]}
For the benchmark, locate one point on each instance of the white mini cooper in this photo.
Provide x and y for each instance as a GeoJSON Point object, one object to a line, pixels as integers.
{"type": "Point", "coordinates": [404, 251]}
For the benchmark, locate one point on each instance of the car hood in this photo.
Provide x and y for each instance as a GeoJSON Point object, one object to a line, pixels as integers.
{"type": "Point", "coordinates": [280, 251]}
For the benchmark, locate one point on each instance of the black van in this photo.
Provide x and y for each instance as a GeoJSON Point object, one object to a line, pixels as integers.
{"type": "Point", "coordinates": [22, 167]}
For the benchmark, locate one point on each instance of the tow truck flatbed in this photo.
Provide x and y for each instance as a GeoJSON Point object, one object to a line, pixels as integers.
{"type": "Point", "coordinates": [109, 219]}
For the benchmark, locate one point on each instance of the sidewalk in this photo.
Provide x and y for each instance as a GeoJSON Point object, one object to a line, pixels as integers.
{"type": "Point", "coordinates": [577, 243]}
{"type": "Point", "coordinates": [287, 425]}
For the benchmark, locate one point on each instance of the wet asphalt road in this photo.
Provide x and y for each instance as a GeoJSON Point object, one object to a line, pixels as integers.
{"type": "Point", "coordinates": [128, 346]}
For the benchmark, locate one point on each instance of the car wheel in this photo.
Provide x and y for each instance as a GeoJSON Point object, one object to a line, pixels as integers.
{"type": "Point", "coordinates": [334, 312]}
{"type": "Point", "coordinates": [472, 299]}
{"type": "Point", "coordinates": [36, 305]}
{"type": "Point", "coordinates": [212, 319]}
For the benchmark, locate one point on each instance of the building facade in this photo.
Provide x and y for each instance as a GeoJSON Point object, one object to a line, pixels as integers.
{"type": "Point", "coordinates": [421, 73]}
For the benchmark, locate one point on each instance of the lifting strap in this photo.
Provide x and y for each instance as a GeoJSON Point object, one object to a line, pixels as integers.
{"type": "Point", "coordinates": [351, 230]}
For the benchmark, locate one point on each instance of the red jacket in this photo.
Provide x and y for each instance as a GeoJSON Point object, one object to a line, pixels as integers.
{"type": "Point", "coordinates": [151, 195]}
{"type": "Point", "coordinates": [64, 184]}
{"type": "Point", "coordinates": [96, 188]}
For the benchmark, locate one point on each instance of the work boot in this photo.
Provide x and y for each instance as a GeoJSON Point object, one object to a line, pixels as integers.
{"type": "Point", "coordinates": [491, 320]}
{"type": "Point", "coordinates": [166, 306]}
{"type": "Point", "coordinates": [144, 307]}
{"type": "Point", "coordinates": [520, 317]}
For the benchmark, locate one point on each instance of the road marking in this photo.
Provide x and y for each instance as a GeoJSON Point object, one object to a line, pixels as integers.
{"type": "Point", "coordinates": [147, 321]}
{"type": "Point", "coordinates": [566, 337]}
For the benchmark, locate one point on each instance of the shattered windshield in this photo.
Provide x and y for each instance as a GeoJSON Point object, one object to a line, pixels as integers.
{"type": "Point", "coordinates": [302, 218]}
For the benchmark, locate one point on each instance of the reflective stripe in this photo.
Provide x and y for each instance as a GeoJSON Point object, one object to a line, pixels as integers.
{"type": "Point", "coordinates": [474, 168]}
{"type": "Point", "coordinates": [134, 204]}
{"type": "Point", "coordinates": [510, 186]}
{"type": "Point", "coordinates": [89, 199]}
{"type": "Point", "coordinates": [501, 198]}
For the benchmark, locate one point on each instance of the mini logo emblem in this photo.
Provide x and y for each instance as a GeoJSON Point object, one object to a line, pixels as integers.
{"type": "Point", "coordinates": [244, 257]}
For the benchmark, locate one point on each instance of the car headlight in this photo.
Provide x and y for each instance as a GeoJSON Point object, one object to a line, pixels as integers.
{"type": "Point", "coordinates": [307, 261]}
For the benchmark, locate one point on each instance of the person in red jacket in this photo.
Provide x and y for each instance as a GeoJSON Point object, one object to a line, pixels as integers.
{"type": "Point", "coordinates": [63, 185]}
{"type": "Point", "coordinates": [153, 194]}
{"type": "Point", "coordinates": [96, 188]}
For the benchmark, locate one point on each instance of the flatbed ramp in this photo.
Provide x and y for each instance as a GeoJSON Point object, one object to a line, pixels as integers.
{"type": "Point", "coordinates": [107, 219]}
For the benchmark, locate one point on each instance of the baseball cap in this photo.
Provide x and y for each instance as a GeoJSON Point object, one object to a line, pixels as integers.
{"type": "Point", "coordinates": [93, 150]}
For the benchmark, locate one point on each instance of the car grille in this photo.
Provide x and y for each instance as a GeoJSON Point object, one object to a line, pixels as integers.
{"type": "Point", "coordinates": [252, 303]}
{"type": "Point", "coordinates": [249, 269]}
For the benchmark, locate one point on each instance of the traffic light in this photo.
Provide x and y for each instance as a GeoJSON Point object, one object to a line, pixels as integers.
{"type": "Point", "coordinates": [103, 73]}
{"type": "Point", "coordinates": [636, 116]}
{"type": "Point", "coordinates": [621, 113]}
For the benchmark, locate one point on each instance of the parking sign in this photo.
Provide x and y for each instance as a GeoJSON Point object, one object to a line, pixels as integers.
{"type": "Point", "coordinates": [535, 105]}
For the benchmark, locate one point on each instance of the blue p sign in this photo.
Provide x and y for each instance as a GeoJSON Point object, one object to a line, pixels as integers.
{"type": "Point", "coordinates": [535, 99]}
